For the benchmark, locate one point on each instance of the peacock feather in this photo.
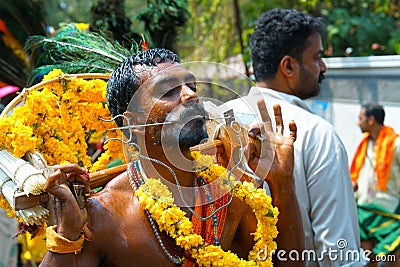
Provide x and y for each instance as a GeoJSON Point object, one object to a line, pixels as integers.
{"type": "Point", "coordinates": [75, 51]}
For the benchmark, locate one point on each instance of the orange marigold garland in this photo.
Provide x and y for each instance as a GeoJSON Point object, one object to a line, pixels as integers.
{"type": "Point", "coordinates": [58, 119]}
{"type": "Point", "coordinates": [155, 197]}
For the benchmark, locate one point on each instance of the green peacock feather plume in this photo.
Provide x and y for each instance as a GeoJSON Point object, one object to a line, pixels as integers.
{"type": "Point", "coordinates": [75, 51]}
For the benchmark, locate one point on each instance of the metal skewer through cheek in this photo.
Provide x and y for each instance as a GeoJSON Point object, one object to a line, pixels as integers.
{"type": "Point", "coordinates": [129, 126]}
{"type": "Point", "coordinates": [130, 142]}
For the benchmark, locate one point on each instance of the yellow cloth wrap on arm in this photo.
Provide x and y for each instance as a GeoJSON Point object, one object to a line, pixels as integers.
{"type": "Point", "coordinates": [59, 244]}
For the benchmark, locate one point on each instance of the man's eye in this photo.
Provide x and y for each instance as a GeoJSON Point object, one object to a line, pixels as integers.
{"type": "Point", "coordinates": [192, 86]}
{"type": "Point", "coordinates": [171, 92]}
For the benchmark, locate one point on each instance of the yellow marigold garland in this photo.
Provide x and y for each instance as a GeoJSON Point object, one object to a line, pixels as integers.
{"type": "Point", "coordinates": [155, 197]}
{"type": "Point", "coordinates": [6, 206]}
{"type": "Point", "coordinates": [56, 121]}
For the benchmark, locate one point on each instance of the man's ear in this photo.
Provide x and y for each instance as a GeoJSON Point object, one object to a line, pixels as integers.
{"type": "Point", "coordinates": [132, 120]}
{"type": "Point", "coordinates": [288, 66]}
{"type": "Point", "coordinates": [371, 120]}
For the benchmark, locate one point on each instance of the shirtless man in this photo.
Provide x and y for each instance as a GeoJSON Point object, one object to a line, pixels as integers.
{"type": "Point", "coordinates": [117, 229]}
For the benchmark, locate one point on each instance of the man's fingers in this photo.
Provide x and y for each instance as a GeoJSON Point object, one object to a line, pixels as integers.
{"type": "Point", "coordinates": [254, 145]}
{"type": "Point", "coordinates": [56, 186]}
{"type": "Point", "coordinates": [71, 168]}
{"type": "Point", "coordinates": [58, 177]}
{"type": "Point", "coordinates": [266, 119]}
{"type": "Point", "coordinates": [74, 173]}
{"type": "Point", "coordinates": [254, 132]}
{"type": "Point", "coordinates": [64, 175]}
{"type": "Point", "coordinates": [81, 179]}
{"type": "Point", "coordinates": [278, 119]}
{"type": "Point", "coordinates": [293, 130]}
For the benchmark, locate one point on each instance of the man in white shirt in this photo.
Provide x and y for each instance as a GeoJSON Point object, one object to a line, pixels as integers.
{"type": "Point", "coordinates": [375, 173]}
{"type": "Point", "coordinates": [286, 52]}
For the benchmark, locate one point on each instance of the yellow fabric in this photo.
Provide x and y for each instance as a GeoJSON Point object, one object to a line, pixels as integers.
{"type": "Point", "coordinates": [393, 245]}
{"type": "Point", "coordinates": [384, 148]}
{"type": "Point", "coordinates": [32, 248]}
{"type": "Point", "coordinates": [383, 225]}
{"type": "Point", "coordinates": [59, 244]}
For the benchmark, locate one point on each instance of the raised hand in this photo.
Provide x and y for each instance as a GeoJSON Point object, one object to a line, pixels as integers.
{"type": "Point", "coordinates": [279, 176]}
{"type": "Point", "coordinates": [263, 141]}
{"type": "Point", "coordinates": [70, 217]}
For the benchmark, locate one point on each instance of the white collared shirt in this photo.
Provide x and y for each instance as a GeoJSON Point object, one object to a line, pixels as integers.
{"type": "Point", "coordinates": [322, 178]}
{"type": "Point", "coordinates": [368, 191]}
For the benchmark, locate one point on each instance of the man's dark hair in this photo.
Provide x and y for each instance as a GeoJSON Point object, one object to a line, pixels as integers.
{"type": "Point", "coordinates": [124, 81]}
{"type": "Point", "coordinates": [281, 32]}
{"type": "Point", "coordinates": [375, 110]}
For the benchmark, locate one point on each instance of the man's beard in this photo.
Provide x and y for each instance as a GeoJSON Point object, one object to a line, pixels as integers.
{"type": "Point", "coordinates": [309, 92]}
{"type": "Point", "coordinates": [188, 128]}
{"type": "Point", "coordinates": [321, 77]}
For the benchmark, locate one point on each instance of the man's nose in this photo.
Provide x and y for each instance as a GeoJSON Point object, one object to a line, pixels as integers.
{"type": "Point", "coordinates": [323, 66]}
{"type": "Point", "coordinates": [188, 94]}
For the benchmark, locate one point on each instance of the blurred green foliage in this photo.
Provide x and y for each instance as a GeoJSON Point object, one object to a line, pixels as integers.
{"type": "Point", "coordinates": [162, 20]}
{"type": "Point", "coordinates": [205, 29]}
{"type": "Point", "coordinates": [355, 27]}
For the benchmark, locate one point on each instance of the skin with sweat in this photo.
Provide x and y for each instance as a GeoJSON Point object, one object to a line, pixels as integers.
{"type": "Point", "coordinates": [117, 229]}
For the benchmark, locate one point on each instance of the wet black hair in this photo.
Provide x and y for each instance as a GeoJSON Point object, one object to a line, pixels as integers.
{"type": "Point", "coordinates": [124, 81]}
{"type": "Point", "coordinates": [375, 110]}
{"type": "Point", "coordinates": [281, 32]}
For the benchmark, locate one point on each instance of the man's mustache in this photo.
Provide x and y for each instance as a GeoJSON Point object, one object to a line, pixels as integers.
{"type": "Point", "coordinates": [321, 78]}
{"type": "Point", "coordinates": [187, 114]}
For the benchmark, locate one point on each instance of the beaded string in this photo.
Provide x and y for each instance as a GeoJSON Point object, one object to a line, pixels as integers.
{"type": "Point", "coordinates": [135, 180]}
{"type": "Point", "coordinates": [213, 213]}
{"type": "Point", "coordinates": [136, 155]}
{"type": "Point", "coordinates": [180, 189]}
{"type": "Point", "coordinates": [139, 180]}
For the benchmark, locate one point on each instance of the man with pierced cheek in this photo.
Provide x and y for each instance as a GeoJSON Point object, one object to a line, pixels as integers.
{"type": "Point", "coordinates": [115, 229]}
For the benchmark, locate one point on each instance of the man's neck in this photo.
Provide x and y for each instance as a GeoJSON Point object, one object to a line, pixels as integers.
{"type": "Point", "coordinates": [263, 84]}
{"type": "Point", "coordinates": [274, 85]}
{"type": "Point", "coordinates": [374, 133]}
{"type": "Point", "coordinates": [179, 163]}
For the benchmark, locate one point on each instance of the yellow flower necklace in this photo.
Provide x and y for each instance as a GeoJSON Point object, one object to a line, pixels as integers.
{"type": "Point", "coordinates": [157, 200]}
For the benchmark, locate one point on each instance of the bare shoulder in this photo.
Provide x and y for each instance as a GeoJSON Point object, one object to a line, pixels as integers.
{"type": "Point", "coordinates": [118, 230]}
{"type": "Point", "coordinates": [100, 208]}
{"type": "Point", "coordinates": [114, 199]}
